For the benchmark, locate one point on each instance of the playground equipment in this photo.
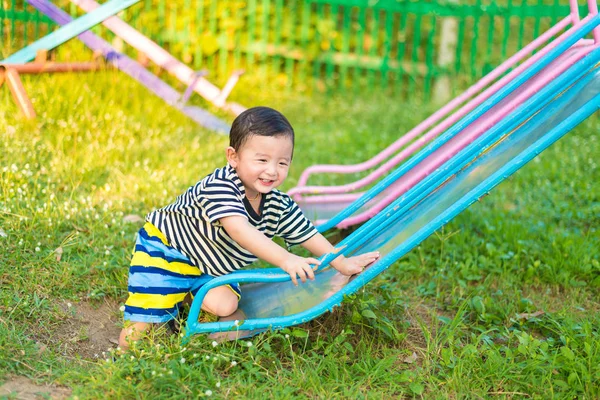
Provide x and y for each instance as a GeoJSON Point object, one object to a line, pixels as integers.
{"type": "Point", "coordinates": [169, 63]}
{"type": "Point", "coordinates": [472, 165]}
{"type": "Point", "coordinates": [79, 27]}
{"type": "Point", "coordinates": [342, 206]}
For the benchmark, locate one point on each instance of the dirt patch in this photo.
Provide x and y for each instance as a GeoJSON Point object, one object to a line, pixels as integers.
{"type": "Point", "coordinates": [87, 330]}
{"type": "Point", "coordinates": [24, 389]}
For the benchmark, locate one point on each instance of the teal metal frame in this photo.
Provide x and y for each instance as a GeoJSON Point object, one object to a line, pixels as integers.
{"type": "Point", "coordinates": [398, 208]}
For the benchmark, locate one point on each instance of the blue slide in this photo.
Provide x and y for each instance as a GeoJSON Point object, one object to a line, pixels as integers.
{"type": "Point", "coordinates": [271, 301]}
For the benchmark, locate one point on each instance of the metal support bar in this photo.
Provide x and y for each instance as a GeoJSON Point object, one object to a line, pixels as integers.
{"type": "Point", "coordinates": [50, 67]}
{"type": "Point", "coordinates": [18, 92]}
{"type": "Point", "coordinates": [231, 82]}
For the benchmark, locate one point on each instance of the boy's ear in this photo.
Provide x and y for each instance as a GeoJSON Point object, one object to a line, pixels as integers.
{"type": "Point", "coordinates": [232, 157]}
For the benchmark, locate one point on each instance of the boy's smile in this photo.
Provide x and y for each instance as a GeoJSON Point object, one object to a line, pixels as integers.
{"type": "Point", "coordinates": [262, 162]}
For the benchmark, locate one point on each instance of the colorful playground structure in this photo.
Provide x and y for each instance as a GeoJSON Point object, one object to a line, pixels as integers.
{"type": "Point", "coordinates": [419, 183]}
{"type": "Point", "coordinates": [105, 14]}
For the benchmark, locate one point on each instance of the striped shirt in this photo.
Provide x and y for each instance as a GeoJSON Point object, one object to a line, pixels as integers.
{"type": "Point", "coordinates": [191, 223]}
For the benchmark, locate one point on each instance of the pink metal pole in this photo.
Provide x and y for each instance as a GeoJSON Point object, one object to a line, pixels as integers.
{"type": "Point", "coordinates": [574, 11]}
{"type": "Point", "coordinates": [593, 10]}
{"type": "Point", "coordinates": [436, 116]}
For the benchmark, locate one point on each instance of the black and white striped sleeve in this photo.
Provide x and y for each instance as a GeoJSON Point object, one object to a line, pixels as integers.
{"type": "Point", "coordinates": [293, 226]}
{"type": "Point", "coordinates": [221, 198]}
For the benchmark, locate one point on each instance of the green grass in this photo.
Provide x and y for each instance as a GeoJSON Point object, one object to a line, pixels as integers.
{"type": "Point", "coordinates": [501, 303]}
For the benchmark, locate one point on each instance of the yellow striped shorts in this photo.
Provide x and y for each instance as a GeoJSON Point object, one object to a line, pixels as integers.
{"type": "Point", "coordinates": [160, 277]}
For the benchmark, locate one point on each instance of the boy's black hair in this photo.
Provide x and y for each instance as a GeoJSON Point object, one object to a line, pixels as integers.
{"type": "Point", "coordinates": [262, 121]}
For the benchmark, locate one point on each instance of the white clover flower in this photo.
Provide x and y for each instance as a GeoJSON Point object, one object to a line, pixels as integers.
{"type": "Point", "coordinates": [153, 373]}
{"type": "Point", "coordinates": [69, 305]}
{"type": "Point", "coordinates": [236, 322]}
{"type": "Point", "coordinates": [208, 393]}
{"type": "Point", "coordinates": [37, 249]}
{"type": "Point", "coordinates": [214, 343]}
{"type": "Point", "coordinates": [249, 344]}
{"type": "Point", "coordinates": [122, 308]}
{"type": "Point", "coordinates": [207, 357]}
{"type": "Point", "coordinates": [132, 358]}
{"type": "Point", "coordinates": [182, 360]}
{"type": "Point", "coordinates": [287, 336]}
{"type": "Point", "coordinates": [233, 363]}
{"type": "Point", "coordinates": [218, 384]}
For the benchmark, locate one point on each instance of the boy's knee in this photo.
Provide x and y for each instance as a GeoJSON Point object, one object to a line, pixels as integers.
{"type": "Point", "coordinates": [226, 307]}
{"type": "Point", "coordinates": [221, 303]}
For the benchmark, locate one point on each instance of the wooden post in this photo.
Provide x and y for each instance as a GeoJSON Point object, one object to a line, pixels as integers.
{"type": "Point", "coordinates": [446, 57]}
{"type": "Point", "coordinates": [18, 92]}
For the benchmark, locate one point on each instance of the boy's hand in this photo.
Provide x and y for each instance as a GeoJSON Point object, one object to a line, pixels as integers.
{"type": "Point", "coordinates": [300, 267]}
{"type": "Point", "coordinates": [354, 265]}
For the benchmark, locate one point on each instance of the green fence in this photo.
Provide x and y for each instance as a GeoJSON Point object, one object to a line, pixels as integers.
{"type": "Point", "coordinates": [394, 44]}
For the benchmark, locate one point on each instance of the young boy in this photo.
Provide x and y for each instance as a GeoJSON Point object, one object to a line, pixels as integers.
{"type": "Point", "coordinates": [223, 223]}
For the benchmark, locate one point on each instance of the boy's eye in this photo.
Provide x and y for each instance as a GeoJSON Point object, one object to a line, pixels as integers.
{"type": "Point", "coordinates": [262, 160]}
{"type": "Point", "coordinates": [283, 164]}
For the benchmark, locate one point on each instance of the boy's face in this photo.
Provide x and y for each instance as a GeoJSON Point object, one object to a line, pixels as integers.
{"type": "Point", "coordinates": [262, 162]}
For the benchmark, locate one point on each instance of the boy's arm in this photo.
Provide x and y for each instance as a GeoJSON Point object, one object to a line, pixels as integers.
{"type": "Point", "coordinates": [318, 245]}
{"type": "Point", "coordinates": [264, 248]}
